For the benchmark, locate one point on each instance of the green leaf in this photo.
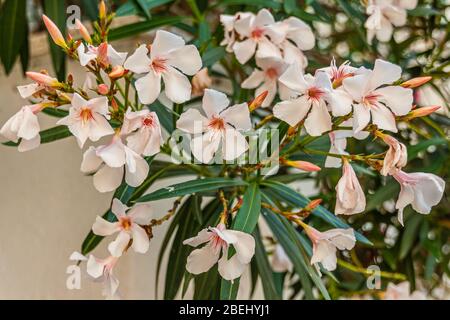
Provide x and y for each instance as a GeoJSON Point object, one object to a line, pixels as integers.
{"type": "Point", "coordinates": [57, 113]}
{"type": "Point", "coordinates": [130, 8]}
{"type": "Point", "coordinates": [423, 11]}
{"type": "Point", "coordinates": [290, 6]}
{"type": "Point", "coordinates": [143, 8]}
{"type": "Point", "coordinates": [139, 27]}
{"type": "Point", "coordinates": [294, 198]}
{"type": "Point", "coordinates": [264, 269]}
{"type": "Point", "coordinates": [258, 3]}
{"type": "Point", "coordinates": [248, 215]}
{"type": "Point", "coordinates": [13, 31]}
{"type": "Point", "coordinates": [190, 187]}
{"type": "Point", "coordinates": [91, 9]}
{"type": "Point", "coordinates": [56, 11]}
{"type": "Point", "coordinates": [211, 56]}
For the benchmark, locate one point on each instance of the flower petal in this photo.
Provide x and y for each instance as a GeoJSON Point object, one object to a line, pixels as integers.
{"type": "Point", "coordinates": [192, 121]}
{"type": "Point", "coordinates": [203, 236]}
{"type": "Point", "coordinates": [292, 111]}
{"type": "Point", "coordinates": [139, 62]}
{"type": "Point", "coordinates": [148, 87]}
{"type": "Point", "coordinates": [164, 43]}
{"type": "Point", "coordinates": [234, 144]}
{"type": "Point", "coordinates": [244, 50]}
{"type": "Point", "coordinates": [361, 117]}
{"type": "Point", "coordinates": [238, 116]}
{"type": "Point", "coordinates": [318, 120]}
{"type": "Point", "coordinates": [205, 146]}
{"type": "Point", "coordinates": [398, 99]}
{"type": "Point", "coordinates": [383, 117]}
{"type": "Point", "coordinates": [232, 268]}
{"type": "Point", "coordinates": [117, 247]}
{"type": "Point", "coordinates": [141, 214]}
{"type": "Point", "coordinates": [383, 73]}
{"type": "Point", "coordinates": [201, 260]}
{"type": "Point", "coordinates": [104, 228]}
{"type": "Point", "coordinates": [177, 86]}
{"type": "Point", "coordinates": [245, 245]}
{"type": "Point", "coordinates": [108, 179]}
{"type": "Point", "coordinates": [214, 102]}
{"type": "Point", "coordinates": [186, 59]}
{"type": "Point", "coordinates": [254, 80]}
{"type": "Point", "coordinates": [141, 243]}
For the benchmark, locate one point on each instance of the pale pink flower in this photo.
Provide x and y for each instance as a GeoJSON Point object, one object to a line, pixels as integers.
{"type": "Point", "coordinates": [106, 54]}
{"type": "Point", "coordinates": [325, 245]}
{"type": "Point", "coordinates": [396, 157]}
{"type": "Point", "coordinates": [255, 32]}
{"type": "Point", "coordinates": [144, 129]}
{"type": "Point", "coordinates": [220, 126]}
{"type": "Point", "coordinates": [228, 22]}
{"type": "Point", "coordinates": [128, 226]}
{"type": "Point", "coordinates": [350, 198]}
{"type": "Point", "coordinates": [24, 125]}
{"type": "Point", "coordinates": [218, 241]}
{"type": "Point", "coordinates": [266, 79]}
{"type": "Point", "coordinates": [88, 119]}
{"type": "Point", "coordinates": [168, 54]}
{"type": "Point", "coordinates": [421, 190]}
{"type": "Point", "coordinates": [110, 161]}
{"type": "Point", "coordinates": [338, 74]}
{"type": "Point", "coordinates": [384, 15]}
{"type": "Point", "coordinates": [293, 36]}
{"type": "Point", "coordinates": [402, 291]}
{"type": "Point", "coordinates": [374, 96]}
{"type": "Point", "coordinates": [103, 270]}
{"type": "Point", "coordinates": [315, 94]}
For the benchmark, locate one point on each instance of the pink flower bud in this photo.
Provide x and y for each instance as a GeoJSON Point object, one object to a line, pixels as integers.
{"type": "Point", "coordinates": [423, 112]}
{"type": "Point", "coordinates": [416, 82]}
{"type": "Point", "coordinates": [117, 72]}
{"type": "Point", "coordinates": [83, 31]}
{"type": "Point", "coordinates": [302, 165]}
{"type": "Point", "coordinates": [103, 89]}
{"type": "Point", "coordinates": [54, 32]}
{"type": "Point", "coordinates": [255, 104]}
{"type": "Point", "coordinates": [43, 79]}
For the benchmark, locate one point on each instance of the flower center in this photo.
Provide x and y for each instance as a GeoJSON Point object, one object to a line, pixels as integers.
{"type": "Point", "coordinates": [257, 33]}
{"type": "Point", "coordinates": [370, 100]}
{"type": "Point", "coordinates": [86, 114]}
{"type": "Point", "coordinates": [217, 123]}
{"type": "Point", "coordinates": [159, 65]}
{"type": "Point", "coordinates": [338, 75]}
{"type": "Point", "coordinates": [315, 93]}
{"type": "Point", "coordinates": [125, 223]}
{"type": "Point", "coordinates": [272, 73]}
{"type": "Point", "coordinates": [148, 121]}
{"type": "Point", "coordinates": [217, 242]}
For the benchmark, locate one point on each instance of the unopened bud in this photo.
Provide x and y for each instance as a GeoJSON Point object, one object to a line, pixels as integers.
{"type": "Point", "coordinates": [54, 32]}
{"type": "Point", "coordinates": [117, 72]}
{"type": "Point", "coordinates": [416, 82]}
{"type": "Point", "coordinates": [102, 89]}
{"type": "Point", "coordinates": [43, 79]}
{"type": "Point", "coordinates": [102, 10]}
{"type": "Point", "coordinates": [313, 204]}
{"type": "Point", "coordinates": [422, 112]}
{"type": "Point", "coordinates": [302, 165]}
{"type": "Point", "coordinates": [114, 104]}
{"type": "Point", "coordinates": [255, 104]}
{"type": "Point", "coordinates": [83, 31]}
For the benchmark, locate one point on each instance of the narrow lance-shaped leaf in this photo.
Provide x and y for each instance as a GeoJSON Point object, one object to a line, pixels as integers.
{"type": "Point", "coordinates": [190, 187]}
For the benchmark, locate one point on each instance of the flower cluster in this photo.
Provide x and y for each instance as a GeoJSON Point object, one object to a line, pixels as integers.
{"type": "Point", "coordinates": [339, 102]}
